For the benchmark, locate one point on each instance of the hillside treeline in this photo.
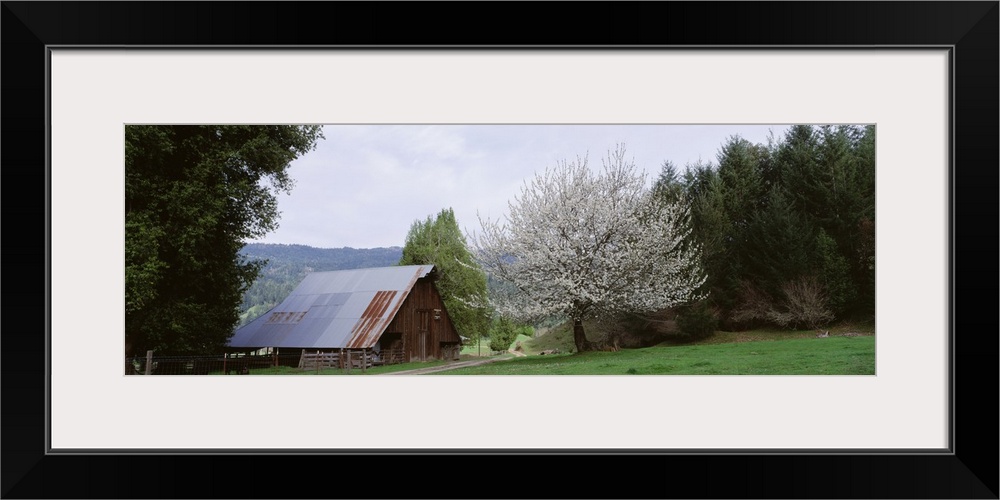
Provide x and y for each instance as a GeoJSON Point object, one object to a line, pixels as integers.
{"type": "Point", "coordinates": [787, 228]}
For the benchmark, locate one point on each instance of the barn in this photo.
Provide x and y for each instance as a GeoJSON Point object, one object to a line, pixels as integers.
{"type": "Point", "coordinates": [393, 314]}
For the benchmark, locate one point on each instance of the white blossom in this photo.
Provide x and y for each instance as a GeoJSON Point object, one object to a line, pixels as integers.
{"type": "Point", "coordinates": [577, 244]}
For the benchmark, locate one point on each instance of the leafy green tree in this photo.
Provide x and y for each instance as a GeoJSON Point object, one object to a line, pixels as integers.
{"type": "Point", "coordinates": [502, 334]}
{"type": "Point", "coordinates": [526, 330]}
{"type": "Point", "coordinates": [193, 195]}
{"type": "Point", "coordinates": [462, 282]}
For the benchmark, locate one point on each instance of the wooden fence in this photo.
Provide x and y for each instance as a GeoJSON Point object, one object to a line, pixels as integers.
{"type": "Point", "coordinates": [205, 365]}
{"type": "Point", "coordinates": [347, 359]}
{"type": "Point", "coordinates": [391, 356]}
{"type": "Point", "coordinates": [344, 359]}
{"type": "Point", "coordinates": [241, 364]}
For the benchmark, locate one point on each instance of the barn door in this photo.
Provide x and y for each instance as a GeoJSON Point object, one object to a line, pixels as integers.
{"type": "Point", "coordinates": [423, 320]}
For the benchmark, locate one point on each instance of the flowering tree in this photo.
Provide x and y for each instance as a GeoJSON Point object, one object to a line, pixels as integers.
{"type": "Point", "coordinates": [580, 245]}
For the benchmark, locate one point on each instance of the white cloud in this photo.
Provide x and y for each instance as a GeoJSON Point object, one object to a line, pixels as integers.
{"type": "Point", "coordinates": [364, 185]}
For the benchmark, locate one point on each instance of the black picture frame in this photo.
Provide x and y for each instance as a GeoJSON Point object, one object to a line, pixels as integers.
{"type": "Point", "coordinates": [969, 28]}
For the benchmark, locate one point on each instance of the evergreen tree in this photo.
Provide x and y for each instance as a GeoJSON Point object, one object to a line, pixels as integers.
{"type": "Point", "coordinates": [858, 246]}
{"type": "Point", "coordinates": [741, 169]}
{"type": "Point", "coordinates": [502, 334]}
{"type": "Point", "coordinates": [798, 169]}
{"type": "Point", "coordinates": [834, 273]}
{"type": "Point", "coordinates": [462, 282]}
{"type": "Point", "coordinates": [772, 216]}
{"type": "Point", "coordinates": [780, 245]}
{"type": "Point", "coordinates": [669, 185]}
{"type": "Point", "coordinates": [862, 258]}
{"type": "Point", "coordinates": [712, 229]}
{"type": "Point", "coordinates": [740, 192]}
{"type": "Point", "coordinates": [829, 172]}
{"type": "Point", "coordinates": [193, 196]}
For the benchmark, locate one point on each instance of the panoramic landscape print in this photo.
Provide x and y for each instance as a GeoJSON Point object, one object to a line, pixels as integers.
{"type": "Point", "coordinates": [411, 250]}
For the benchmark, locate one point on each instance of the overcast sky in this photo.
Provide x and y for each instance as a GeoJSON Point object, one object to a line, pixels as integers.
{"type": "Point", "coordinates": [364, 185]}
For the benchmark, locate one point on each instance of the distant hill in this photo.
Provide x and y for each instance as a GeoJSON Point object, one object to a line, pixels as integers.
{"type": "Point", "coordinates": [287, 265]}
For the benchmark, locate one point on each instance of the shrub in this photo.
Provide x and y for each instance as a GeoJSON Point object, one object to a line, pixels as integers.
{"type": "Point", "coordinates": [632, 330]}
{"type": "Point", "coordinates": [753, 305]}
{"type": "Point", "coordinates": [697, 320]}
{"type": "Point", "coordinates": [806, 304]}
{"type": "Point", "coordinates": [502, 334]}
{"type": "Point", "coordinates": [526, 330]}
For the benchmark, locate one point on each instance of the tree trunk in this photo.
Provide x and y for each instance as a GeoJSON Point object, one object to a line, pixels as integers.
{"type": "Point", "coordinates": [582, 344]}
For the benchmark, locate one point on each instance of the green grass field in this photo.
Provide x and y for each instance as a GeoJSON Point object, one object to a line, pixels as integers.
{"type": "Point", "coordinates": [791, 356]}
{"type": "Point", "coordinates": [755, 352]}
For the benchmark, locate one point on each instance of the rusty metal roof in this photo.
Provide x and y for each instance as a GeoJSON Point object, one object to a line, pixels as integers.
{"type": "Point", "coordinates": [334, 309]}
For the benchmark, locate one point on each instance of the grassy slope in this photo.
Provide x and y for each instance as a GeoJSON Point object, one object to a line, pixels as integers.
{"type": "Point", "coordinates": [561, 336]}
{"type": "Point", "coordinates": [794, 356]}
{"type": "Point", "coordinates": [558, 337]}
{"type": "Point", "coordinates": [473, 350]}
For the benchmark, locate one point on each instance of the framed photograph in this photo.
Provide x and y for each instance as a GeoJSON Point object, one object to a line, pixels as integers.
{"type": "Point", "coordinates": [923, 74]}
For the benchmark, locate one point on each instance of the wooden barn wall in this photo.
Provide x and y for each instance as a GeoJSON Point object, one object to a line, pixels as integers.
{"type": "Point", "coordinates": [424, 295]}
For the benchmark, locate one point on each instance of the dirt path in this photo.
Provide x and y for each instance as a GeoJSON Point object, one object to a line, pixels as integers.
{"type": "Point", "coordinates": [452, 366]}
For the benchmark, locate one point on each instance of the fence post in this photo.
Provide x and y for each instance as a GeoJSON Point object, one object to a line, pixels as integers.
{"type": "Point", "coordinates": [317, 361]}
{"type": "Point", "coordinates": [364, 361]}
{"type": "Point", "coordinates": [225, 356]}
{"type": "Point", "coordinates": [149, 362]}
